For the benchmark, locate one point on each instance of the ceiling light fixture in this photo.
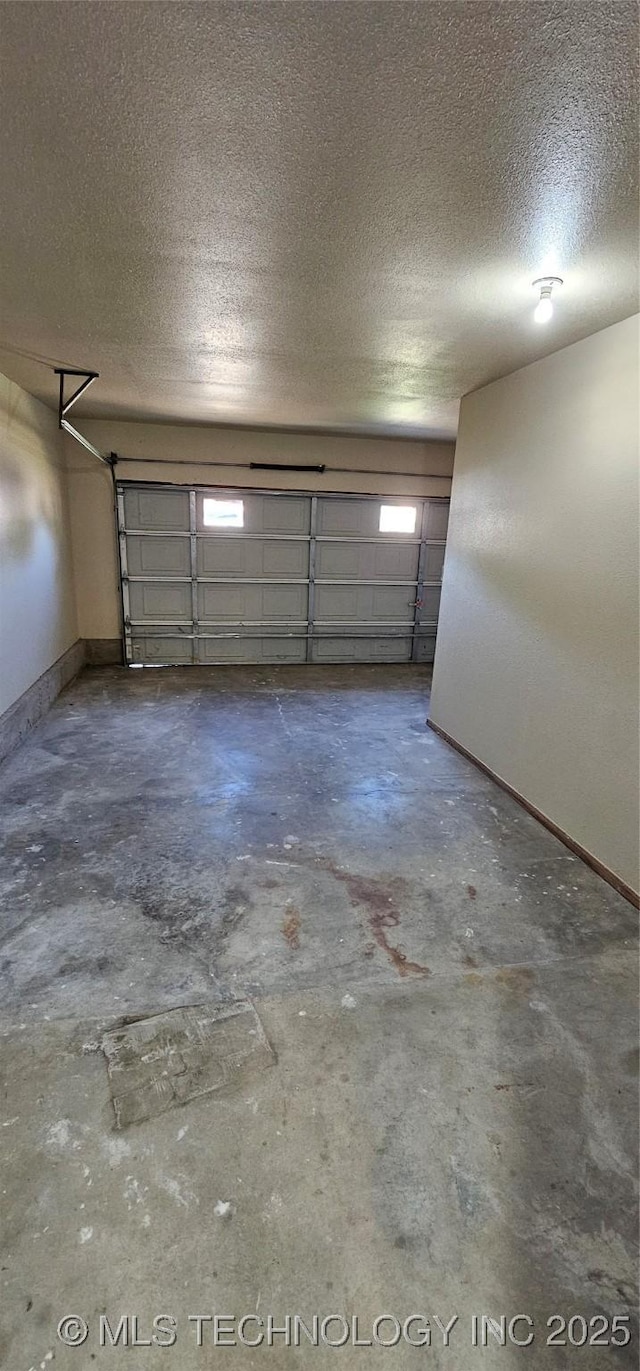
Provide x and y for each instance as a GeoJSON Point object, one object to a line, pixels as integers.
{"type": "Point", "coordinates": [544, 308]}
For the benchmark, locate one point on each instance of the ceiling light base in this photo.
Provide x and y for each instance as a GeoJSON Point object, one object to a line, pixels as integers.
{"type": "Point", "coordinates": [544, 308]}
{"type": "Point", "coordinates": [545, 284]}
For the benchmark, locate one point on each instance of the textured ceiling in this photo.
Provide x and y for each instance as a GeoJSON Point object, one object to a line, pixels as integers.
{"type": "Point", "coordinates": [310, 214]}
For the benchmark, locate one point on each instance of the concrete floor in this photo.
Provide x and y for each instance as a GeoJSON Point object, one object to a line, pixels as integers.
{"type": "Point", "coordinates": [450, 1127]}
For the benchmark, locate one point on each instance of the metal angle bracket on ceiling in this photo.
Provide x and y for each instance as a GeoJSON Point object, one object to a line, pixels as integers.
{"type": "Point", "coordinates": [65, 405]}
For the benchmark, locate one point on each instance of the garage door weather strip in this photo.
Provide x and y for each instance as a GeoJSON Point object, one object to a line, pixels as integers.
{"type": "Point", "coordinates": [311, 604]}
{"type": "Point", "coordinates": [193, 544]}
{"type": "Point", "coordinates": [422, 561]}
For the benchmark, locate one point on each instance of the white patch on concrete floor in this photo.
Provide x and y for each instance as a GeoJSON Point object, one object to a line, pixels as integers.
{"type": "Point", "coordinates": [85, 1235]}
{"type": "Point", "coordinates": [115, 1150]}
{"type": "Point", "coordinates": [182, 1132]}
{"type": "Point", "coordinates": [178, 1190]}
{"type": "Point", "coordinates": [8, 1123]}
{"type": "Point", "coordinates": [348, 1002]}
{"type": "Point", "coordinates": [134, 1192]}
{"type": "Point", "coordinates": [59, 1135]}
{"type": "Point", "coordinates": [223, 1209]}
{"type": "Point", "coordinates": [274, 1206]}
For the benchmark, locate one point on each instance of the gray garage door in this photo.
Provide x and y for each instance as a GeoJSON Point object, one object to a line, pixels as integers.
{"type": "Point", "coordinates": [212, 575]}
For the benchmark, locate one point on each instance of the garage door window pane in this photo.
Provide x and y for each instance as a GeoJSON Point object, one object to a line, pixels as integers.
{"type": "Point", "coordinates": [223, 513]}
{"type": "Point", "coordinates": [397, 519]}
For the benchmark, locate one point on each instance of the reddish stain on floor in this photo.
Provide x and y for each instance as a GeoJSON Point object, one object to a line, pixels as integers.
{"type": "Point", "coordinates": [516, 977]}
{"type": "Point", "coordinates": [290, 929]}
{"type": "Point", "coordinates": [379, 897]}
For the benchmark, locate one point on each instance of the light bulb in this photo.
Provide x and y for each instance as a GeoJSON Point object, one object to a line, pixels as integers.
{"type": "Point", "coordinates": [543, 311]}
{"type": "Point", "coordinates": [544, 308]}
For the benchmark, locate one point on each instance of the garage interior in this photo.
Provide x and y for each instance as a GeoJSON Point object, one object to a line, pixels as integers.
{"type": "Point", "coordinates": [319, 746]}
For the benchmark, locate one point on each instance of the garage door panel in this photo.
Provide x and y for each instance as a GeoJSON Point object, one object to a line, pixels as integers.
{"type": "Point", "coordinates": [430, 605]}
{"type": "Point", "coordinates": [394, 561]}
{"type": "Point", "coordinates": [367, 561]}
{"type": "Point", "coordinates": [349, 649]}
{"type": "Point", "coordinates": [290, 515]}
{"type": "Point", "coordinates": [361, 518]}
{"type": "Point", "coordinates": [364, 603]}
{"type": "Point", "coordinates": [434, 562]}
{"type": "Point", "coordinates": [272, 514]}
{"type": "Point", "coordinates": [268, 649]}
{"type": "Point", "coordinates": [224, 557]}
{"type": "Point", "coordinates": [164, 601]}
{"type": "Point", "coordinates": [157, 509]}
{"type": "Point", "coordinates": [251, 557]}
{"type": "Point", "coordinates": [426, 647]}
{"type": "Point", "coordinates": [285, 559]}
{"type": "Point", "coordinates": [158, 556]}
{"type": "Point", "coordinates": [167, 650]}
{"type": "Point", "coordinates": [338, 560]}
{"type": "Point", "coordinates": [436, 519]}
{"type": "Point", "coordinates": [237, 603]}
{"type": "Point", "coordinates": [284, 602]}
{"type": "Point", "coordinates": [344, 518]}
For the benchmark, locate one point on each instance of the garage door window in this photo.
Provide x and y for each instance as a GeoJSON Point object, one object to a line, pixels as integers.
{"type": "Point", "coordinates": [223, 513]}
{"type": "Point", "coordinates": [397, 519]}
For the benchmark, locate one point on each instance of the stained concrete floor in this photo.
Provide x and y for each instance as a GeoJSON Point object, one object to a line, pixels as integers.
{"type": "Point", "coordinates": [450, 1127]}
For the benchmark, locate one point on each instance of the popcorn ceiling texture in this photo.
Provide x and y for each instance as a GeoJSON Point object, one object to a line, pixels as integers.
{"type": "Point", "coordinates": [310, 214]}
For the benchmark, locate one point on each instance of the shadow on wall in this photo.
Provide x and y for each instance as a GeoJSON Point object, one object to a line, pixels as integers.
{"type": "Point", "coordinates": [30, 498]}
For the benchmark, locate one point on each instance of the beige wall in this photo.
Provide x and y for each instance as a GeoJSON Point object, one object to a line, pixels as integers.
{"type": "Point", "coordinates": [183, 452]}
{"type": "Point", "coordinates": [536, 669]}
{"type": "Point", "coordinates": [37, 607]}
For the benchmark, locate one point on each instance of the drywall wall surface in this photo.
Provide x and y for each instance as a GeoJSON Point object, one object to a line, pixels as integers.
{"type": "Point", "coordinates": [182, 454]}
{"type": "Point", "coordinates": [536, 669]}
{"type": "Point", "coordinates": [399, 466]}
{"type": "Point", "coordinates": [94, 543]}
{"type": "Point", "coordinates": [37, 606]}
